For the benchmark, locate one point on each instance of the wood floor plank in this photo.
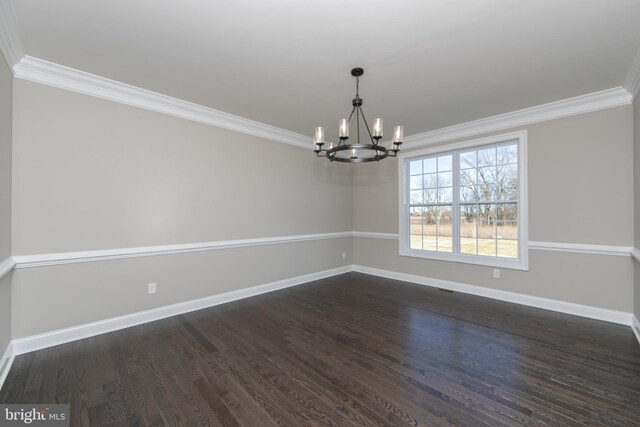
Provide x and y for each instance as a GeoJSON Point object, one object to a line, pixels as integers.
{"type": "Point", "coordinates": [347, 350]}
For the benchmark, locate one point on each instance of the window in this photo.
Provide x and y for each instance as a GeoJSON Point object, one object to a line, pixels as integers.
{"type": "Point", "coordinates": [466, 202]}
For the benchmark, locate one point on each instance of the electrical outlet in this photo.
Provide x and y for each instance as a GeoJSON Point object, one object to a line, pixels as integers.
{"type": "Point", "coordinates": [496, 273]}
{"type": "Point", "coordinates": [344, 254]}
{"type": "Point", "coordinates": [151, 288]}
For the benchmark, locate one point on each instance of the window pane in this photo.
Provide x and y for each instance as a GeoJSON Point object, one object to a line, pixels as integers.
{"type": "Point", "coordinates": [445, 229]}
{"type": "Point", "coordinates": [445, 179]}
{"type": "Point", "coordinates": [415, 167]}
{"type": "Point", "coordinates": [507, 211]}
{"type": "Point", "coordinates": [507, 230]}
{"type": "Point", "coordinates": [431, 195]}
{"type": "Point", "coordinates": [468, 160]}
{"type": "Point", "coordinates": [429, 222]}
{"type": "Point", "coordinates": [430, 180]}
{"type": "Point", "coordinates": [485, 212]}
{"type": "Point", "coordinates": [445, 163]}
{"type": "Point", "coordinates": [507, 154]}
{"type": "Point", "coordinates": [468, 177]}
{"type": "Point", "coordinates": [501, 193]}
{"type": "Point", "coordinates": [468, 226]}
{"type": "Point", "coordinates": [486, 157]}
{"type": "Point", "coordinates": [486, 228]}
{"type": "Point", "coordinates": [445, 195]}
{"type": "Point", "coordinates": [508, 175]}
{"type": "Point", "coordinates": [430, 243]}
{"type": "Point", "coordinates": [416, 197]}
{"type": "Point", "coordinates": [487, 175]}
{"type": "Point", "coordinates": [487, 247]}
{"type": "Point", "coordinates": [508, 248]}
{"type": "Point", "coordinates": [415, 221]}
{"type": "Point", "coordinates": [415, 182]}
{"type": "Point", "coordinates": [416, 242]}
{"type": "Point", "coordinates": [430, 165]}
{"type": "Point", "coordinates": [468, 245]}
{"type": "Point", "coordinates": [468, 194]}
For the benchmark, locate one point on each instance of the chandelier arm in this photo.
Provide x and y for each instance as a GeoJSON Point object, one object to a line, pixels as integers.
{"type": "Point", "coordinates": [364, 119]}
{"type": "Point", "coordinates": [351, 115]}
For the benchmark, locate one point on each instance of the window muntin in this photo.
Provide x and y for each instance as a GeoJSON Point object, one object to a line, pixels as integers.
{"type": "Point", "coordinates": [465, 204]}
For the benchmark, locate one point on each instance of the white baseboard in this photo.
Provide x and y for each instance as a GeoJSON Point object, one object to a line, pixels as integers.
{"type": "Point", "coordinates": [61, 336]}
{"type": "Point", "coordinates": [635, 325]}
{"type": "Point", "coordinates": [5, 363]}
{"type": "Point", "coordinates": [607, 315]}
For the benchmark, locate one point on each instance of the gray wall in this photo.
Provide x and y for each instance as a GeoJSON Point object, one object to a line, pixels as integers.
{"type": "Point", "coordinates": [580, 175]}
{"type": "Point", "coordinates": [93, 174]}
{"type": "Point", "coordinates": [636, 170]}
{"type": "Point", "coordinates": [6, 92]}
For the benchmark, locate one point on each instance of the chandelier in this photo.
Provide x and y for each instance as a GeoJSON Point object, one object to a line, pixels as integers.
{"type": "Point", "coordinates": [368, 151]}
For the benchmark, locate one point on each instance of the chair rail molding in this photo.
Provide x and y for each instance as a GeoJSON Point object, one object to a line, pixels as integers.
{"type": "Point", "coordinates": [6, 266]}
{"type": "Point", "coordinates": [41, 260]}
{"type": "Point", "coordinates": [538, 246]}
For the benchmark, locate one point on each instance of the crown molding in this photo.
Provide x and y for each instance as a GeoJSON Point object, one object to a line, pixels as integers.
{"type": "Point", "coordinates": [595, 101]}
{"type": "Point", "coordinates": [60, 76]}
{"type": "Point", "coordinates": [10, 44]}
{"type": "Point", "coordinates": [51, 74]}
{"type": "Point", "coordinates": [632, 79]}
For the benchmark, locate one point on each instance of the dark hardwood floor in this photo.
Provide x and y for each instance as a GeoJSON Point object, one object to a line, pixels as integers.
{"type": "Point", "coordinates": [348, 350]}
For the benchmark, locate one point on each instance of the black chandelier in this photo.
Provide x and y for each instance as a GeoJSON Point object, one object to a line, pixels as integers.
{"type": "Point", "coordinates": [358, 152]}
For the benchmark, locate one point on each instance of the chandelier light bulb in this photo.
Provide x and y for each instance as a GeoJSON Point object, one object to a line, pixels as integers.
{"type": "Point", "coordinates": [354, 153]}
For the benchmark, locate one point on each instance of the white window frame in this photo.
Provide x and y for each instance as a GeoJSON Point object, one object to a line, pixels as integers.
{"type": "Point", "coordinates": [523, 238]}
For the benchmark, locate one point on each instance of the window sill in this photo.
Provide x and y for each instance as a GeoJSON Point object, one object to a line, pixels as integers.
{"type": "Point", "coordinates": [511, 264]}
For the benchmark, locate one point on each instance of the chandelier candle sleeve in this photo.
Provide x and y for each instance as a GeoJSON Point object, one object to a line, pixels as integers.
{"type": "Point", "coordinates": [377, 128]}
{"type": "Point", "coordinates": [319, 137]}
{"type": "Point", "coordinates": [344, 129]}
{"type": "Point", "coordinates": [398, 134]}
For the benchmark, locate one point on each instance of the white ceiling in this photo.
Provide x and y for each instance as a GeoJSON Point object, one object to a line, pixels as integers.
{"type": "Point", "coordinates": [428, 64]}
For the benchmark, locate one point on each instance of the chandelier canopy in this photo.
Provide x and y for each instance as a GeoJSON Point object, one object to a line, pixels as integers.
{"type": "Point", "coordinates": [358, 152]}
